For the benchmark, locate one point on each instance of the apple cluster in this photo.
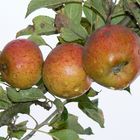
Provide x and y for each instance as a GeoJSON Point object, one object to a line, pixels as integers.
{"type": "Point", "coordinates": [110, 57]}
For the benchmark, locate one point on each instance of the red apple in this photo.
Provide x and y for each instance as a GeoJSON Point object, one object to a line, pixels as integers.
{"type": "Point", "coordinates": [63, 72]}
{"type": "Point", "coordinates": [112, 56]}
{"type": "Point", "coordinates": [21, 63]}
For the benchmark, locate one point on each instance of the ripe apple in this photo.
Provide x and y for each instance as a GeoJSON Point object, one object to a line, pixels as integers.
{"type": "Point", "coordinates": [112, 56]}
{"type": "Point", "coordinates": [63, 72]}
{"type": "Point", "coordinates": [21, 63]}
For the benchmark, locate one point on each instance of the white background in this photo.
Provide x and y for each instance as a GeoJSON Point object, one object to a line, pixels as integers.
{"type": "Point", "coordinates": [121, 110]}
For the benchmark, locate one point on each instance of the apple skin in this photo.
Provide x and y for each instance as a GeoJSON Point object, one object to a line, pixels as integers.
{"type": "Point", "coordinates": [63, 73]}
{"type": "Point", "coordinates": [112, 56]}
{"type": "Point", "coordinates": [21, 63]}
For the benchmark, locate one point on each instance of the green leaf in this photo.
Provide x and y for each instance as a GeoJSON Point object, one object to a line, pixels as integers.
{"type": "Point", "coordinates": [136, 30]}
{"type": "Point", "coordinates": [2, 138]}
{"type": "Point", "coordinates": [73, 11]}
{"type": "Point", "coordinates": [99, 22]}
{"type": "Point", "coordinates": [67, 121]}
{"type": "Point", "coordinates": [59, 120]}
{"type": "Point", "coordinates": [90, 108]}
{"type": "Point", "coordinates": [73, 32]}
{"type": "Point", "coordinates": [44, 25]}
{"type": "Point", "coordinates": [97, 5]}
{"type": "Point", "coordinates": [86, 24]}
{"type": "Point", "coordinates": [37, 39]}
{"type": "Point", "coordinates": [88, 131]}
{"type": "Point", "coordinates": [118, 14]}
{"type": "Point", "coordinates": [91, 92]}
{"type": "Point", "coordinates": [18, 130]}
{"type": "Point", "coordinates": [65, 134]}
{"type": "Point", "coordinates": [95, 114]}
{"type": "Point", "coordinates": [90, 14]}
{"type": "Point", "coordinates": [118, 19]}
{"type": "Point", "coordinates": [59, 105]}
{"type": "Point", "coordinates": [4, 101]}
{"type": "Point", "coordinates": [31, 94]}
{"type": "Point", "coordinates": [37, 4]}
{"type": "Point", "coordinates": [7, 115]}
{"type": "Point", "coordinates": [94, 13]}
{"type": "Point", "coordinates": [27, 31]}
{"type": "Point", "coordinates": [118, 9]}
{"type": "Point", "coordinates": [68, 35]}
{"type": "Point", "coordinates": [73, 121]}
{"type": "Point", "coordinates": [134, 10]}
{"type": "Point", "coordinates": [138, 1]}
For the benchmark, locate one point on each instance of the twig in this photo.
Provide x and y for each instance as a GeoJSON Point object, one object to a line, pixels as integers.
{"type": "Point", "coordinates": [45, 122]}
{"type": "Point", "coordinates": [49, 46]}
{"type": "Point", "coordinates": [34, 119]}
{"type": "Point", "coordinates": [37, 130]}
{"type": "Point", "coordinates": [111, 7]}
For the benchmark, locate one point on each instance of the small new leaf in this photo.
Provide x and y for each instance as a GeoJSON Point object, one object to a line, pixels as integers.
{"type": "Point", "coordinates": [18, 130]}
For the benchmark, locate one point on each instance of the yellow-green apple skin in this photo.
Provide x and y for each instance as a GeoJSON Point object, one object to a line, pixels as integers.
{"type": "Point", "coordinates": [112, 56]}
{"type": "Point", "coordinates": [21, 63]}
{"type": "Point", "coordinates": [63, 72]}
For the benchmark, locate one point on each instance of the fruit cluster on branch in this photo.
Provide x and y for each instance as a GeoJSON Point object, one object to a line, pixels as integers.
{"type": "Point", "coordinates": [98, 41]}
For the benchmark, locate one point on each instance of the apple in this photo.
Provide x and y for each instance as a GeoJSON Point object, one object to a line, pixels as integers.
{"type": "Point", "coordinates": [112, 56]}
{"type": "Point", "coordinates": [21, 63]}
{"type": "Point", "coordinates": [63, 72]}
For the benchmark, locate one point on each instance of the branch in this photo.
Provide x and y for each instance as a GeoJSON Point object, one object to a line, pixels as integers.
{"type": "Point", "coordinates": [111, 7]}
{"type": "Point", "coordinates": [45, 122]}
